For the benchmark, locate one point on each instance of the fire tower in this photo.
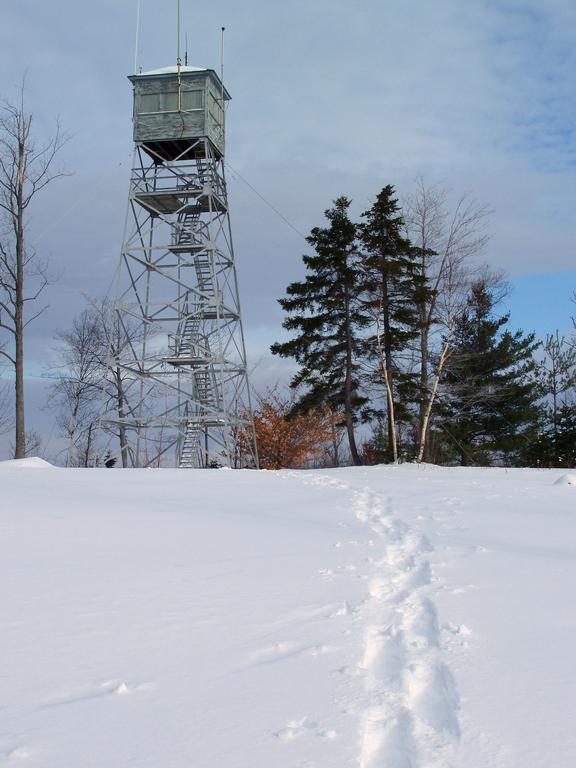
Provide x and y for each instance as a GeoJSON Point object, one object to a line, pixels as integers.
{"type": "Point", "coordinates": [185, 397]}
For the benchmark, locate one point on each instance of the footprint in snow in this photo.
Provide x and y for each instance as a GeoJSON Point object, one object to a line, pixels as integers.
{"type": "Point", "coordinates": [461, 590]}
{"type": "Point", "coordinates": [344, 610]}
{"type": "Point", "coordinates": [433, 696]}
{"type": "Point", "coordinates": [457, 629]}
{"type": "Point", "coordinates": [108, 688]}
{"type": "Point", "coordinates": [285, 650]}
{"type": "Point", "coordinates": [348, 672]}
{"type": "Point", "coordinates": [295, 729]}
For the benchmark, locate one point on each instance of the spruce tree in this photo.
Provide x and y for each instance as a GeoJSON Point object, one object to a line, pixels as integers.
{"type": "Point", "coordinates": [491, 385]}
{"type": "Point", "coordinates": [391, 287]}
{"type": "Point", "coordinates": [325, 312]}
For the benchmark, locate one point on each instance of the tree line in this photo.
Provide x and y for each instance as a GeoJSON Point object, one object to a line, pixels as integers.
{"type": "Point", "coordinates": [396, 329]}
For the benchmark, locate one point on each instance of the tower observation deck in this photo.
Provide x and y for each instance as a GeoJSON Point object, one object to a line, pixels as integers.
{"type": "Point", "coordinates": [180, 359]}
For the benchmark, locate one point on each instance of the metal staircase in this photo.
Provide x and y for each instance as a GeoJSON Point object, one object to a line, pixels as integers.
{"type": "Point", "coordinates": [192, 346]}
{"type": "Point", "coordinates": [190, 446]}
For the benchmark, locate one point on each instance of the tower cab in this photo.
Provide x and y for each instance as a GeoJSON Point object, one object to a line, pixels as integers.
{"type": "Point", "coordinates": [176, 106]}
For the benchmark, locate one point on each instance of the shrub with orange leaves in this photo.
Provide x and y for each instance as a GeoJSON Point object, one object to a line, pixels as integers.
{"type": "Point", "coordinates": [294, 442]}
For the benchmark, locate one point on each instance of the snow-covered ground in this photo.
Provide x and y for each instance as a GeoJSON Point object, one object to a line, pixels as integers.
{"type": "Point", "coordinates": [398, 617]}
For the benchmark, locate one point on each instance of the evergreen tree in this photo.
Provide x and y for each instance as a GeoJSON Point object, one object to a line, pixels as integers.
{"type": "Point", "coordinates": [491, 409]}
{"type": "Point", "coordinates": [558, 371]}
{"type": "Point", "coordinates": [325, 312]}
{"type": "Point", "coordinates": [565, 444]}
{"type": "Point", "coordinates": [391, 286]}
{"type": "Point", "coordinates": [555, 445]}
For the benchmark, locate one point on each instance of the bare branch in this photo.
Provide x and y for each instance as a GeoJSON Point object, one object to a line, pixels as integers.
{"type": "Point", "coordinates": [7, 356]}
{"type": "Point", "coordinates": [38, 292]}
{"type": "Point", "coordinates": [36, 316]}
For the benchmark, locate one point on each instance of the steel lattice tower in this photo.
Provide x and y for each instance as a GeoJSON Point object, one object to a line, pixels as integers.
{"type": "Point", "coordinates": [180, 353]}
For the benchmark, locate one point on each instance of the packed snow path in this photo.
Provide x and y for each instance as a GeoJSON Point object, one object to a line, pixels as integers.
{"type": "Point", "coordinates": [397, 617]}
{"type": "Point", "coordinates": [408, 715]}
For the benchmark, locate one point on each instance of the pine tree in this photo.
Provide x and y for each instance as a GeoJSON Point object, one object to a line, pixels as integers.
{"type": "Point", "coordinates": [325, 312]}
{"type": "Point", "coordinates": [391, 284]}
{"type": "Point", "coordinates": [492, 390]}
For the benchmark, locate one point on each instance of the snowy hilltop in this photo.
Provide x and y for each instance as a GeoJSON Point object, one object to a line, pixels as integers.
{"type": "Point", "coordinates": [381, 617]}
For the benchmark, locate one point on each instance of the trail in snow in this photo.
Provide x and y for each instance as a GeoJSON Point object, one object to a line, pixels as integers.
{"type": "Point", "coordinates": [409, 716]}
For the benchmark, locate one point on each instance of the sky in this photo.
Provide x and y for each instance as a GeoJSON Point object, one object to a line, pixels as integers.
{"type": "Point", "coordinates": [328, 98]}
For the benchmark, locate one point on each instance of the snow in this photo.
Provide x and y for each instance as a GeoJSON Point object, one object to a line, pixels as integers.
{"type": "Point", "coordinates": [566, 480]}
{"type": "Point", "coordinates": [172, 70]}
{"type": "Point", "coordinates": [30, 463]}
{"type": "Point", "coordinates": [397, 617]}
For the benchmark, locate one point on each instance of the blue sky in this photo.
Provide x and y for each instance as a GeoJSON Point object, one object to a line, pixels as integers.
{"type": "Point", "coordinates": [329, 98]}
{"type": "Point", "coordinates": [542, 303]}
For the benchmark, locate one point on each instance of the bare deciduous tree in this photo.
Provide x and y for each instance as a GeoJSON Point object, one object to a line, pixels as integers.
{"type": "Point", "coordinates": [26, 168]}
{"type": "Point", "coordinates": [448, 241]}
{"type": "Point", "coordinates": [88, 384]}
{"type": "Point", "coordinates": [33, 443]}
{"type": "Point", "coordinates": [77, 387]}
{"type": "Point", "coordinates": [115, 380]}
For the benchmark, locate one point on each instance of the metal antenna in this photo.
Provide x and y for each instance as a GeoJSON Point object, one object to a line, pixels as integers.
{"type": "Point", "coordinates": [222, 63]}
{"type": "Point", "coordinates": [178, 60]}
{"type": "Point", "coordinates": [137, 37]}
{"type": "Point", "coordinates": [186, 51]}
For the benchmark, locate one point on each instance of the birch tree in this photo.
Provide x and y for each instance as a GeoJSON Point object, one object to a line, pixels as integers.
{"type": "Point", "coordinates": [448, 241]}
